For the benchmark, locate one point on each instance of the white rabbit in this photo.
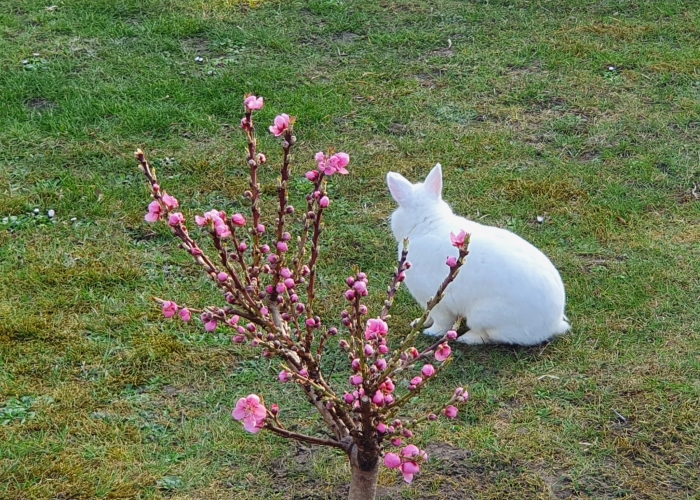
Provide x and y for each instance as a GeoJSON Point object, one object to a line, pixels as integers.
{"type": "Point", "coordinates": [508, 291]}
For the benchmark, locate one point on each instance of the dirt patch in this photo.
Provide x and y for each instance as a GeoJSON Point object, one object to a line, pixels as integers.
{"type": "Point", "coordinates": [688, 195]}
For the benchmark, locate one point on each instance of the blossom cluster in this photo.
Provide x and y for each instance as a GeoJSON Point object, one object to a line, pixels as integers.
{"type": "Point", "coordinates": [268, 279]}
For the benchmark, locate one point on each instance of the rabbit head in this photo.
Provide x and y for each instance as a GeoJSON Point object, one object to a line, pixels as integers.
{"type": "Point", "coordinates": [418, 202]}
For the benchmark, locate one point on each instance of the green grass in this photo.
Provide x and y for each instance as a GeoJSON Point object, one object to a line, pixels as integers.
{"type": "Point", "coordinates": [102, 398]}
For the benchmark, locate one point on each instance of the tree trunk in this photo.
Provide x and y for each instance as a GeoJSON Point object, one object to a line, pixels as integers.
{"type": "Point", "coordinates": [364, 474]}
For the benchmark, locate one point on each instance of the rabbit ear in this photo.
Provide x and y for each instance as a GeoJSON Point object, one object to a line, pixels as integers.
{"type": "Point", "coordinates": [399, 187]}
{"type": "Point", "coordinates": [433, 183]}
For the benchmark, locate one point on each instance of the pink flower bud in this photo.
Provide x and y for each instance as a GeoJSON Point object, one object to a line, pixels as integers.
{"type": "Point", "coordinates": [350, 280]}
{"type": "Point", "coordinates": [407, 434]}
{"type": "Point", "coordinates": [343, 344]}
{"type": "Point", "coordinates": [381, 364]}
{"type": "Point", "coordinates": [451, 335]}
{"type": "Point", "coordinates": [378, 398]}
{"type": "Point", "coordinates": [265, 249]}
{"type": "Point", "coordinates": [388, 399]}
{"type": "Point", "coordinates": [407, 265]}
{"type": "Point", "coordinates": [360, 288]}
{"type": "Point", "coordinates": [350, 295]}
{"type": "Point", "coordinates": [383, 349]}
{"type": "Point", "coordinates": [312, 175]}
{"type": "Point", "coordinates": [239, 339]}
{"type": "Point", "coordinates": [289, 283]}
{"type": "Point", "coordinates": [264, 311]}
{"type": "Point", "coordinates": [382, 428]}
{"type": "Point", "coordinates": [280, 288]}
{"type": "Point", "coordinates": [238, 220]}
{"type": "Point", "coordinates": [392, 460]}
{"type": "Point", "coordinates": [222, 276]}
{"type": "Point", "coordinates": [310, 322]}
{"type": "Point", "coordinates": [396, 441]}
{"type": "Point", "coordinates": [242, 247]}
{"type": "Point", "coordinates": [305, 271]}
{"type": "Point", "coordinates": [355, 363]}
{"type": "Point", "coordinates": [304, 373]}
{"type": "Point", "coordinates": [349, 398]}
{"type": "Point", "coordinates": [250, 327]}
{"type": "Point", "coordinates": [356, 379]}
{"type": "Point", "coordinates": [432, 417]}
{"type": "Point", "coordinates": [451, 412]}
{"type": "Point", "coordinates": [274, 409]}
{"type": "Point", "coordinates": [428, 371]}
{"type": "Point", "coordinates": [170, 201]}
{"type": "Point", "coordinates": [272, 258]}
{"type": "Point", "coordinates": [169, 308]}
{"type": "Point", "coordinates": [416, 381]}
{"type": "Point", "coordinates": [285, 376]}
{"type": "Point", "coordinates": [324, 202]}
{"type": "Point", "coordinates": [262, 158]}
{"type": "Point", "coordinates": [176, 219]}
{"type": "Point", "coordinates": [368, 350]}
{"type": "Point", "coordinates": [363, 310]}
{"type": "Point", "coordinates": [260, 228]}
{"type": "Point", "coordinates": [185, 314]}
{"type": "Point", "coordinates": [413, 352]}
{"type": "Point", "coordinates": [451, 261]}
{"type": "Point", "coordinates": [210, 326]}
{"type": "Point", "coordinates": [402, 276]}
{"type": "Point", "coordinates": [286, 273]}
{"type": "Point", "coordinates": [282, 246]}
{"type": "Point", "coordinates": [286, 236]}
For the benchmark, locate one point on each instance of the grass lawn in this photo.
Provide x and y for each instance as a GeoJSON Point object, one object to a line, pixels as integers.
{"type": "Point", "coordinates": [584, 112]}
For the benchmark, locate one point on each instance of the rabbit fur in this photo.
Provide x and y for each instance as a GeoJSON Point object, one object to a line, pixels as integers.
{"type": "Point", "coordinates": [507, 290]}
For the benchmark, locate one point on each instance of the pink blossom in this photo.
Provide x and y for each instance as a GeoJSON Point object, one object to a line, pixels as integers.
{"type": "Point", "coordinates": [282, 246]}
{"type": "Point", "coordinates": [239, 339]}
{"type": "Point", "coordinates": [416, 381]}
{"type": "Point", "coordinates": [170, 201]}
{"type": "Point", "coordinates": [260, 228]}
{"type": "Point", "coordinates": [169, 308]}
{"type": "Point", "coordinates": [452, 261]}
{"type": "Point", "coordinates": [265, 249]}
{"type": "Point", "coordinates": [286, 273]}
{"type": "Point", "coordinates": [383, 349]}
{"type": "Point", "coordinates": [210, 326]}
{"type": "Point", "coordinates": [222, 276]}
{"type": "Point", "coordinates": [185, 314]}
{"type": "Point", "coordinates": [304, 373]}
{"type": "Point", "coordinates": [281, 124]}
{"type": "Point", "coordinates": [392, 460]}
{"type": "Point", "coordinates": [369, 350]}
{"type": "Point", "coordinates": [375, 328]}
{"type": "Point", "coordinates": [334, 164]}
{"type": "Point", "coordinates": [451, 412]}
{"type": "Point", "coordinates": [355, 364]}
{"type": "Point", "coordinates": [285, 376]}
{"type": "Point", "coordinates": [378, 398]}
{"type": "Point", "coordinates": [349, 398]}
{"type": "Point", "coordinates": [382, 428]}
{"type": "Point", "coordinates": [451, 335]}
{"type": "Point", "coordinates": [409, 469]}
{"type": "Point", "coordinates": [238, 220]}
{"type": "Point", "coordinates": [154, 212]}
{"type": "Point", "coordinates": [356, 379]}
{"type": "Point", "coordinates": [253, 103]}
{"type": "Point", "coordinates": [360, 287]}
{"type": "Point", "coordinates": [443, 352]}
{"type": "Point", "coordinates": [324, 202]}
{"type": "Point", "coordinates": [176, 219]}
{"type": "Point", "coordinates": [397, 441]}
{"type": "Point", "coordinates": [459, 239]}
{"type": "Point", "coordinates": [222, 230]}
{"type": "Point", "coordinates": [312, 175]}
{"type": "Point", "coordinates": [350, 295]}
{"type": "Point", "coordinates": [428, 371]}
{"type": "Point", "coordinates": [381, 364]}
{"type": "Point", "coordinates": [252, 412]}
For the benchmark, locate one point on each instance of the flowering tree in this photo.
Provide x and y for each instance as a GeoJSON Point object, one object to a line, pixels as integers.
{"type": "Point", "coordinates": [269, 283]}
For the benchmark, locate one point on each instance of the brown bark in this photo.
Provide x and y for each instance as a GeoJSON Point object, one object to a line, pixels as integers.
{"type": "Point", "coordinates": [364, 470]}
